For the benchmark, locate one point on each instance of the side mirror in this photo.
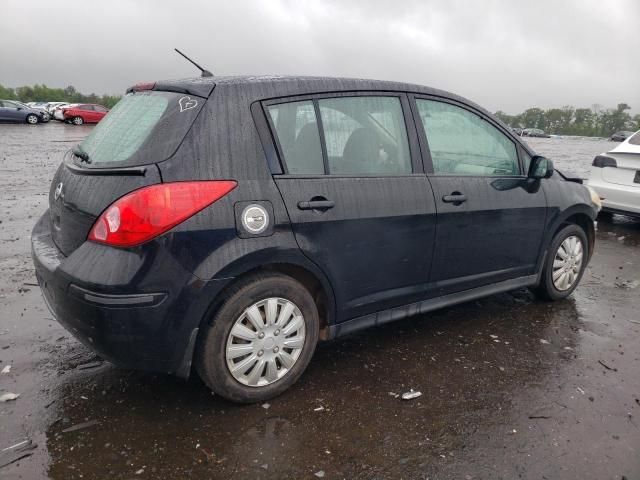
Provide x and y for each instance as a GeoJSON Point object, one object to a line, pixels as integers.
{"type": "Point", "coordinates": [540, 167]}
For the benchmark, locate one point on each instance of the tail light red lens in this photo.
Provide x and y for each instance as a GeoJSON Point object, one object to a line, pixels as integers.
{"type": "Point", "coordinates": [148, 212]}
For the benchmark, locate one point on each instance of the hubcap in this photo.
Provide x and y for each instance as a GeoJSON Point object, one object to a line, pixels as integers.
{"type": "Point", "coordinates": [265, 342]}
{"type": "Point", "coordinates": [32, 119]}
{"type": "Point", "coordinates": [567, 263]}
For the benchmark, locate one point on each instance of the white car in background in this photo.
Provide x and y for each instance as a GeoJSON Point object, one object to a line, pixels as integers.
{"type": "Point", "coordinates": [58, 111]}
{"type": "Point", "coordinates": [615, 176]}
{"type": "Point", "coordinates": [51, 106]}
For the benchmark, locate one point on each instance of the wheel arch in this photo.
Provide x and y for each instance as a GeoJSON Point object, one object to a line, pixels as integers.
{"type": "Point", "coordinates": [292, 264]}
{"type": "Point", "coordinates": [581, 215]}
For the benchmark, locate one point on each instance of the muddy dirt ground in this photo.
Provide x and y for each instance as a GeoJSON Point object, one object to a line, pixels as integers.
{"type": "Point", "coordinates": [512, 387]}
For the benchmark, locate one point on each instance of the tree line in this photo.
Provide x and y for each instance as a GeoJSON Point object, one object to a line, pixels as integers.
{"type": "Point", "coordinates": [590, 122]}
{"type": "Point", "coordinates": [42, 93]}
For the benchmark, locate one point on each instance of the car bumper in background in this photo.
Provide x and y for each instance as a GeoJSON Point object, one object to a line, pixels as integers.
{"type": "Point", "coordinates": [617, 198]}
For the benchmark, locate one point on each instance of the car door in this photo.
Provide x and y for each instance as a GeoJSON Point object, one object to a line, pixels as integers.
{"type": "Point", "coordinates": [3, 112]}
{"type": "Point", "coordinates": [359, 205]}
{"type": "Point", "coordinates": [12, 112]}
{"type": "Point", "coordinates": [490, 218]}
{"type": "Point", "coordinates": [88, 114]}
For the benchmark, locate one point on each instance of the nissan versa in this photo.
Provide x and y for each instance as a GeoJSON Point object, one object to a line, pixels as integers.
{"type": "Point", "coordinates": [232, 222]}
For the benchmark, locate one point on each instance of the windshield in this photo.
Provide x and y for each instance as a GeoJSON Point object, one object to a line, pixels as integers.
{"type": "Point", "coordinates": [142, 128]}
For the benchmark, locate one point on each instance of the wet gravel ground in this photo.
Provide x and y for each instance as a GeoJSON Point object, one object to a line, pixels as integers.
{"type": "Point", "coordinates": [512, 387]}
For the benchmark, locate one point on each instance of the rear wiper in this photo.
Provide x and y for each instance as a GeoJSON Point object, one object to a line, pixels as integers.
{"type": "Point", "coordinates": [81, 154]}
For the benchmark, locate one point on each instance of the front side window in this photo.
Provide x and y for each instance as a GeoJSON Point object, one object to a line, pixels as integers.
{"type": "Point", "coordinates": [635, 140]}
{"type": "Point", "coordinates": [463, 143]}
{"type": "Point", "coordinates": [365, 135]}
{"type": "Point", "coordinates": [297, 130]}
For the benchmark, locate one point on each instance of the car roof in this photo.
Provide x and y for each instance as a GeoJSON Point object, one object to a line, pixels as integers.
{"type": "Point", "coordinates": [272, 86]}
{"type": "Point", "coordinates": [627, 146]}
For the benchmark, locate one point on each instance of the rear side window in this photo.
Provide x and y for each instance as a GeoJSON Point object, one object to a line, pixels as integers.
{"type": "Point", "coordinates": [297, 131]}
{"type": "Point", "coordinates": [635, 140]}
{"type": "Point", "coordinates": [363, 135]}
{"type": "Point", "coordinates": [463, 143]}
{"type": "Point", "coordinates": [142, 128]}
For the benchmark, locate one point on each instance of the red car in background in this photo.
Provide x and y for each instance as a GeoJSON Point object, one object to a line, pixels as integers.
{"type": "Point", "coordinates": [84, 113]}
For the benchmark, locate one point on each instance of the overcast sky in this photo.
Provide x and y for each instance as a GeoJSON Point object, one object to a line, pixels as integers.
{"type": "Point", "coordinates": [507, 55]}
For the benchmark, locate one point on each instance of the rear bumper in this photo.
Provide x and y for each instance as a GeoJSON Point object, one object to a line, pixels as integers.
{"type": "Point", "coordinates": [617, 198]}
{"type": "Point", "coordinates": [139, 310]}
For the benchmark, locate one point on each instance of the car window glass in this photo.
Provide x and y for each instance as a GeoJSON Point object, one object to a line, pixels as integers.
{"type": "Point", "coordinates": [463, 143]}
{"type": "Point", "coordinates": [141, 128]}
{"type": "Point", "coordinates": [297, 130]}
{"type": "Point", "coordinates": [635, 140]}
{"type": "Point", "coordinates": [365, 135]}
{"type": "Point", "coordinates": [9, 104]}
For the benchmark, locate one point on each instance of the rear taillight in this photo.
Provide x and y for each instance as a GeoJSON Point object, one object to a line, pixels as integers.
{"type": "Point", "coordinates": [148, 212]}
{"type": "Point", "coordinates": [602, 161]}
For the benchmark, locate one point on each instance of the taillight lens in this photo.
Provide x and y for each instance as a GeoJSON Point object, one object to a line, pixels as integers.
{"type": "Point", "coordinates": [148, 212]}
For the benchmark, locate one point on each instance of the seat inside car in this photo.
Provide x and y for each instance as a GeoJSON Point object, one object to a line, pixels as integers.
{"type": "Point", "coordinates": [306, 141]}
{"type": "Point", "coordinates": [360, 152]}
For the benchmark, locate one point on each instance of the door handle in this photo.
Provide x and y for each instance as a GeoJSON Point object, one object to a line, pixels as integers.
{"type": "Point", "coordinates": [456, 198]}
{"type": "Point", "coordinates": [321, 205]}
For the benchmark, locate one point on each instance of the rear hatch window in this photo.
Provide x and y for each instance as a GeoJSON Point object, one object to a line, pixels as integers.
{"type": "Point", "coordinates": [142, 128]}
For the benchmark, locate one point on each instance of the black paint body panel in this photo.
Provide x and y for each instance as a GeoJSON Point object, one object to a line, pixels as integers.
{"type": "Point", "coordinates": [390, 247]}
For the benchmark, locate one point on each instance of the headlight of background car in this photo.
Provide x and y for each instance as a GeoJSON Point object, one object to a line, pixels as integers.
{"type": "Point", "coordinates": [595, 198]}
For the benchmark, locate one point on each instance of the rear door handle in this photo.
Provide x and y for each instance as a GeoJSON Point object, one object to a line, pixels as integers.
{"type": "Point", "coordinates": [456, 198]}
{"type": "Point", "coordinates": [321, 205]}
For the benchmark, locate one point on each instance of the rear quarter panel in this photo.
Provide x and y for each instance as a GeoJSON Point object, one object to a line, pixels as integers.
{"type": "Point", "coordinates": [223, 144]}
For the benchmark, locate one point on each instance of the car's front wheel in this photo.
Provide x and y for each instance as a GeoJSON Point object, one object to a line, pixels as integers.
{"type": "Point", "coordinates": [260, 340]}
{"type": "Point", "coordinates": [32, 119]}
{"type": "Point", "coordinates": [77, 120]}
{"type": "Point", "coordinates": [565, 263]}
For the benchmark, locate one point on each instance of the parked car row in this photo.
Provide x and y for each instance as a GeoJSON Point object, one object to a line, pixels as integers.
{"type": "Point", "coordinates": [530, 132]}
{"type": "Point", "coordinates": [536, 132]}
{"type": "Point", "coordinates": [41, 112]}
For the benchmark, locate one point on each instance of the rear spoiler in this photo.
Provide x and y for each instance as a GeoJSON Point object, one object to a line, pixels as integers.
{"type": "Point", "coordinates": [198, 87]}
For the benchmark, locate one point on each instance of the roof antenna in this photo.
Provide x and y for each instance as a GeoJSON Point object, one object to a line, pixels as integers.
{"type": "Point", "coordinates": [205, 73]}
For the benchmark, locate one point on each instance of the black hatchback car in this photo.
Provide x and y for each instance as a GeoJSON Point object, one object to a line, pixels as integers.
{"type": "Point", "coordinates": [233, 222]}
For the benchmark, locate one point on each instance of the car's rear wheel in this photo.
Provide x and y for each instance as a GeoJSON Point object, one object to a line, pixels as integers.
{"type": "Point", "coordinates": [32, 119]}
{"type": "Point", "coordinates": [77, 120]}
{"type": "Point", "coordinates": [260, 340]}
{"type": "Point", "coordinates": [565, 263]}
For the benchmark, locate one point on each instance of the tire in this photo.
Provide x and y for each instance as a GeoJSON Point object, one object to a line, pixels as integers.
{"type": "Point", "coordinates": [32, 119]}
{"type": "Point", "coordinates": [77, 120]}
{"type": "Point", "coordinates": [550, 290]}
{"type": "Point", "coordinates": [272, 292]}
